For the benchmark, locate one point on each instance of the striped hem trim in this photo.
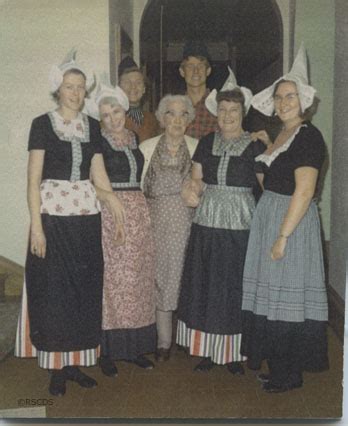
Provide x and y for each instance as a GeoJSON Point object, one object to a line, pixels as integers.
{"type": "Point", "coordinates": [221, 348]}
{"type": "Point", "coordinates": [48, 360]}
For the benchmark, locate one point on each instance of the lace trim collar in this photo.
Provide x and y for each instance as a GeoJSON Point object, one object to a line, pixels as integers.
{"type": "Point", "coordinates": [117, 145]}
{"type": "Point", "coordinates": [233, 147]}
{"type": "Point", "coordinates": [74, 130]}
{"type": "Point", "coordinates": [268, 159]}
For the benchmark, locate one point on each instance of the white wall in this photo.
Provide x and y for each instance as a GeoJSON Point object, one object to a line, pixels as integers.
{"type": "Point", "coordinates": [339, 192]}
{"type": "Point", "coordinates": [315, 26]}
{"type": "Point", "coordinates": [34, 35]}
{"type": "Point", "coordinates": [138, 10]}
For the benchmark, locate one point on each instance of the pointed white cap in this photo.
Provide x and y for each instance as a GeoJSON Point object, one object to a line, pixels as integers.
{"type": "Point", "coordinates": [263, 101]}
{"type": "Point", "coordinates": [57, 71]}
{"type": "Point", "coordinates": [230, 84]}
{"type": "Point", "coordinates": [105, 90]}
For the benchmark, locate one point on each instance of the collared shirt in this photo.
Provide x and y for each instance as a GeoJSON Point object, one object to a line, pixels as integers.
{"type": "Point", "coordinates": [204, 121]}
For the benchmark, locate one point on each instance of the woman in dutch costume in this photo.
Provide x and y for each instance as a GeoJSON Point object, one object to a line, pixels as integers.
{"type": "Point", "coordinates": [129, 329]}
{"type": "Point", "coordinates": [284, 296]}
{"type": "Point", "coordinates": [223, 177]}
{"type": "Point", "coordinates": [60, 319]}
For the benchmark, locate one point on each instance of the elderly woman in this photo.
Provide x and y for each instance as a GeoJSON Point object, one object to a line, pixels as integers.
{"type": "Point", "coordinates": [284, 295]}
{"type": "Point", "coordinates": [62, 296]}
{"type": "Point", "coordinates": [131, 81]}
{"type": "Point", "coordinates": [167, 167]}
{"type": "Point", "coordinates": [209, 311]}
{"type": "Point", "coordinates": [129, 329]}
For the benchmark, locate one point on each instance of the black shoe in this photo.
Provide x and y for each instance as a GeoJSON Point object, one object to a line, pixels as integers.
{"type": "Point", "coordinates": [263, 378]}
{"type": "Point", "coordinates": [205, 365]}
{"type": "Point", "coordinates": [253, 365]}
{"type": "Point", "coordinates": [162, 354]}
{"type": "Point", "coordinates": [235, 368]}
{"type": "Point", "coordinates": [184, 349]}
{"type": "Point", "coordinates": [75, 374]}
{"type": "Point", "coordinates": [57, 384]}
{"type": "Point", "coordinates": [108, 367]}
{"type": "Point", "coordinates": [272, 388]}
{"type": "Point", "coordinates": [142, 362]}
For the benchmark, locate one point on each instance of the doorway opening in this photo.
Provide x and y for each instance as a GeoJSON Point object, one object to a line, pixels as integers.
{"type": "Point", "coordinates": [238, 33]}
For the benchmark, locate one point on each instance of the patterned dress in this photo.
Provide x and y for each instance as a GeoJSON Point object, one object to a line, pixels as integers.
{"type": "Point", "coordinates": [209, 311]}
{"type": "Point", "coordinates": [171, 219]}
{"type": "Point", "coordinates": [128, 296]}
{"type": "Point", "coordinates": [60, 318]}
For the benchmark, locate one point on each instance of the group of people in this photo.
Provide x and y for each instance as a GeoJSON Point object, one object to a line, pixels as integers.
{"type": "Point", "coordinates": [135, 216]}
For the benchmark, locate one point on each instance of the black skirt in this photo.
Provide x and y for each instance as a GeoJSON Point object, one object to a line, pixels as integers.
{"type": "Point", "coordinates": [65, 288]}
{"type": "Point", "coordinates": [211, 293]}
{"type": "Point", "coordinates": [127, 344]}
{"type": "Point", "coordinates": [301, 344]}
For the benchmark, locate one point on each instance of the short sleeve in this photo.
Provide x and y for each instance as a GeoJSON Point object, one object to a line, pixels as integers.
{"type": "Point", "coordinates": [37, 135]}
{"type": "Point", "coordinates": [258, 148]}
{"type": "Point", "coordinates": [254, 149]}
{"type": "Point", "coordinates": [96, 137]}
{"type": "Point", "coordinates": [201, 151]}
{"type": "Point", "coordinates": [308, 148]}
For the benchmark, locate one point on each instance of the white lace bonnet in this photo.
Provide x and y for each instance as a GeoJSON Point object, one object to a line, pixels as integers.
{"type": "Point", "coordinates": [230, 84]}
{"type": "Point", "coordinates": [263, 101]}
{"type": "Point", "coordinates": [57, 72]}
{"type": "Point", "coordinates": [105, 90]}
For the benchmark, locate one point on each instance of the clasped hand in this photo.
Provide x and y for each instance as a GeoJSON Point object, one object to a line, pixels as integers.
{"type": "Point", "coordinates": [262, 136]}
{"type": "Point", "coordinates": [189, 193]}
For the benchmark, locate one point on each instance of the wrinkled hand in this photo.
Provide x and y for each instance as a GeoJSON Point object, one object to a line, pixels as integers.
{"type": "Point", "coordinates": [115, 207]}
{"type": "Point", "coordinates": [120, 234]}
{"type": "Point", "coordinates": [278, 249]}
{"type": "Point", "coordinates": [196, 187]}
{"type": "Point", "coordinates": [261, 135]}
{"type": "Point", "coordinates": [38, 243]}
{"type": "Point", "coordinates": [189, 195]}
{"type": "Point", "coordinates": [191, 199]}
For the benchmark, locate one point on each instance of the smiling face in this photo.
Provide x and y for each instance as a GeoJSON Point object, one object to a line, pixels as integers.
{"type": "Point", "coordinates": [287, 103]}
{"type": "Point", "coordinates": [175, 119]}
{"type": "Point", "coordinates": [230, 117]}
{"type": "Point", "coordinates": [113, 118]}
{"type": "Point", "coordinates": [132, 83]}
{"type": "Point", "coordinates": [71, 92]}
{"type": "Point", "coordinates": [195, 71]}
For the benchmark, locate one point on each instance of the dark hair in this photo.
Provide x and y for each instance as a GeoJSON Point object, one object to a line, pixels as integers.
{"type": "Point", "coordinates": [235, 95]}
{"type": "Point", "coordinates": [196, 48]}
{"type": "Point", "coordinates": [129, 70]}
{"type": "Point", "coordinates": [309, 112]}
{"type": "Point", "coordinates": [55, 95]}
{"type": "Point", "coordinates": [199, 57]}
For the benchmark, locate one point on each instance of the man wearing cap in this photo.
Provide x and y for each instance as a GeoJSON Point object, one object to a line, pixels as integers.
{"type": "Point", "coordinates": [131, 80]}
{"type": "Point", "coordinates": [195, 69]}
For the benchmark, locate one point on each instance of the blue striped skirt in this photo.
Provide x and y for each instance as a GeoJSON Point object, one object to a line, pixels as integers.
{"type": "Point", "coordinates": [293, 288]}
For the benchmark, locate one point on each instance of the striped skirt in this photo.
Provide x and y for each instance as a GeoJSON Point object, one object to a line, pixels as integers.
{"type": "Point", "coordinates": [48, 360]}
{"type": "Point", "coordinates": [221, 348]}
{"type": "Point", "coordinates": [293, 288]}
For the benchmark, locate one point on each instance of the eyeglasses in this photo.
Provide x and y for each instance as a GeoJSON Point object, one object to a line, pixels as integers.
{"type": "Point", "coordinates": [173, 114]}
{"type": "Point", "coordinates": [288, 98]}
